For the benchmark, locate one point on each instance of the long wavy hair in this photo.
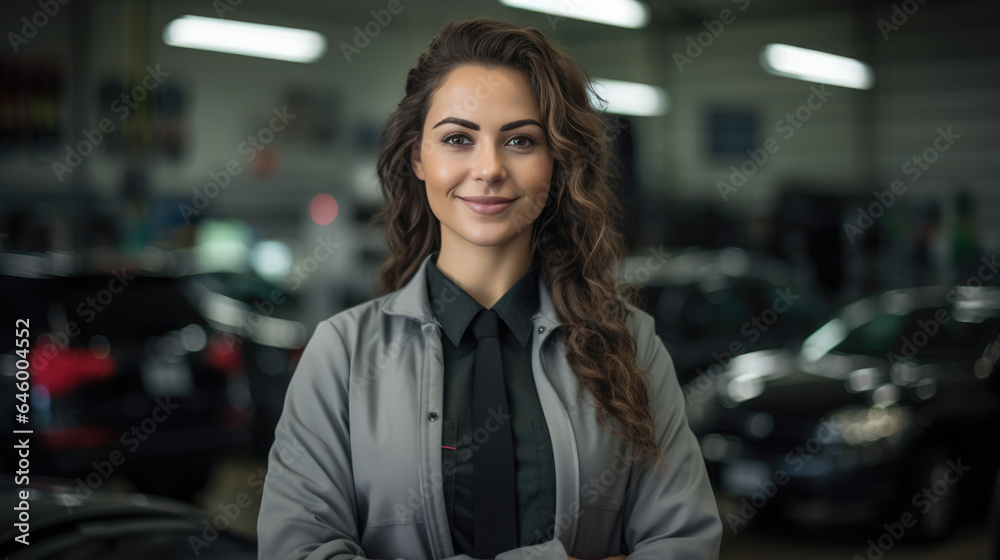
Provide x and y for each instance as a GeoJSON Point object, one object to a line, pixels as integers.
{"type": "Point", "coordinates": [576, 240]}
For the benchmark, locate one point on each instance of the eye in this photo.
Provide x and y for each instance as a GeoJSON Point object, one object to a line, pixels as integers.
{"type": "Point", "coordinates": [527, 142]}
{"type": "Point", "coordinates": [448, 139]}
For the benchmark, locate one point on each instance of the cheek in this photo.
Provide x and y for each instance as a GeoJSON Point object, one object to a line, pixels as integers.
{"type": "Point", "coordinates": [536, 175]}
{"type": "Point", "coordinates": [536, 185]}
{"type": "Point", "coordinates": [442, 170]}
{"type": "Point", "coordinates": [543, 165]}
{"type": "Point", "coordinates": [439, 180]}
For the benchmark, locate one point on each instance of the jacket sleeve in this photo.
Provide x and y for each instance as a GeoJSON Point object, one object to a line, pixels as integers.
{"type": "Point", "coordinates": [308, 507]}
{"type": "Point", "coordinates": [670, 512]}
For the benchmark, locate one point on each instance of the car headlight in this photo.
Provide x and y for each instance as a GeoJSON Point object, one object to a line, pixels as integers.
{"type": "Point", "coordinates": [861, 426]}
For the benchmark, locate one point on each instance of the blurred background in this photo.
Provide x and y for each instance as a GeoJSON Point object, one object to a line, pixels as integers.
{"type": "Point", "coordinates": [813, 210]}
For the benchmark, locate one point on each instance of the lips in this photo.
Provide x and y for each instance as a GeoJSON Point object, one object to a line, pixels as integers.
{"type": "Point", "coordinates": [487, 205]}
{"type": "Point", "coordinates": [487, 199]}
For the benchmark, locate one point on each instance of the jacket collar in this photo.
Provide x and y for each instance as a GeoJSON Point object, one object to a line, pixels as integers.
{"type": "Point", "coordinates": [411, 300]}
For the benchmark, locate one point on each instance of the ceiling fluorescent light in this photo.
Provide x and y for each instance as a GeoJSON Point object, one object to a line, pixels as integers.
{"type": "Point", "coordinates": [630, 98]}
{"type": "Point", "coordinates": [240, 37]}
{"type": "Point", "coordinates": [816, 66]}
{"type": "Point", "coordinates": [622, 13]}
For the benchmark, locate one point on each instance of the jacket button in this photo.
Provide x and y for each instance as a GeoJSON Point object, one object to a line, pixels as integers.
{"type": "Point", "coordinates": [432, 416]}
{"type": "Point", "coordinates": [541, 330]}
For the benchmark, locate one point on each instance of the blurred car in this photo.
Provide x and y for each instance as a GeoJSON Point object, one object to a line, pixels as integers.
{"type": "Point", "coordinates": [264, 320]}
{"type": "Point", "coordinates": [113, 526]}
{"type": "Point", "coordinates": [126, 378]}
{"type": "Point", "coordinates": [710, 306]}
{"type": "Point", "coordinates": [880, 417]}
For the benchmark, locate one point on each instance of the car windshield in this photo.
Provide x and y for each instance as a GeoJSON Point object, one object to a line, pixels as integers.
{"type": "Point", "coordinates": [920, 334]}
{"type": "Point", "coordinates": [875, 336]}
{"type": "Point", "coordinates": [723, 309]}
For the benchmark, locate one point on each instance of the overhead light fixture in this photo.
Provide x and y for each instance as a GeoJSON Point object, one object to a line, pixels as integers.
{"type": "Point", "coordinates": [621, 13]}
{"type": "Point", "coordinates": [816, 66]}
{"type": "Point", "coordinates": [630, 98]}
{"type": "Point", "coordinates": [240, 37]}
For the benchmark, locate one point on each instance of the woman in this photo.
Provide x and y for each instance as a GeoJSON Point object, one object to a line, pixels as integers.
{"type": "Point", "coordinates": [502, 232]}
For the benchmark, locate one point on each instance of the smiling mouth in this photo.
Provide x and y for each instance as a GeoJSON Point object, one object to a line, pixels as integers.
{"type": "Point", "coordinates": [487, 199]}
{"type": "Point", "coordinates": [487, 205]}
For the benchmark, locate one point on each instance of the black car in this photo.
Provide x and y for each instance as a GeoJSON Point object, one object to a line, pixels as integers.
{"type": "Point", "coordinates": [264, 320]}
{"type": "Point", "coordinates": [710, 306]}
{"type": "Point", "coordinates": [56, 523]}
{"type": "Point", "coordinates": [886, 415]}
{"type": "Point", "coordinates": [126, 378]}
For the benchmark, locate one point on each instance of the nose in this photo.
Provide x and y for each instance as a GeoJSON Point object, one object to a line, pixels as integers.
{"type": "Point", "coordinates": [489, 166]}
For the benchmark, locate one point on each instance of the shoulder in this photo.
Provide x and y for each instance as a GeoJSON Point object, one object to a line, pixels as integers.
{"type": "Point", "coordinates": [639, 321]}
{"type": "Point", "coordinates": [340, 342]}
{"type": "Point", "coordinates": [367, 331]}
{"type": "Point", "coordinates": [643, 328]}
{"type": "Point", "coordinates": [358, 321]}
{"type": "Point", "coordinates": [650, 352]}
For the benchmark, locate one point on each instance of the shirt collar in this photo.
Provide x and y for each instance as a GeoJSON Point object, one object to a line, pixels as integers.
{"type": "Point", "coordinates": [454, 308]}
{"type": "Point", "coordinates": [411, 300]}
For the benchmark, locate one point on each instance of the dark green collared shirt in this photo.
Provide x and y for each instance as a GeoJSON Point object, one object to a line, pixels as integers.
{"type": "Point", "coordinates": [535, 467]}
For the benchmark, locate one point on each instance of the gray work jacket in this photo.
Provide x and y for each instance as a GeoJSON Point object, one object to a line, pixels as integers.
{"type": "Point", "coordinates": [356, 472]}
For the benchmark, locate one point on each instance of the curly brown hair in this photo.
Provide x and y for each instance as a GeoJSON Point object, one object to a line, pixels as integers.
{"type": "Point", "coordinates": [582, 210]}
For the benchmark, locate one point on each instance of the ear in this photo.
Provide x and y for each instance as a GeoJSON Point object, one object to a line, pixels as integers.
{"type": "Point", "coordinates": [415, 160]}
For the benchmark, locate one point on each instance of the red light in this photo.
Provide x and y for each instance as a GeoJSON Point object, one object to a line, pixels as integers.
{"type": "Point", "coordinates": [224, 353]}
{"type": "Point", "coordinates": [60, 370]}
{"type": "Point", "coordinates": [79, 437]}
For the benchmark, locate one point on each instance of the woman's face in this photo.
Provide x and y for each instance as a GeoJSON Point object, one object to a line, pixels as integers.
{"type": "Point", "coordinates": [483, 156]}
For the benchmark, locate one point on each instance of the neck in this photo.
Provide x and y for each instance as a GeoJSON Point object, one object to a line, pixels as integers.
{"type": "Point", "coordinates": [484, 272]}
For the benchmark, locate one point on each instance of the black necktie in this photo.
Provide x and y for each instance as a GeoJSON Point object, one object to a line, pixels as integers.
{"type": "Point", "coordinates": [495, 510]}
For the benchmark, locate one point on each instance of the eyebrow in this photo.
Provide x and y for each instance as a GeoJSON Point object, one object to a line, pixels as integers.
{"type": "Point", "coordinates": [474, 126]}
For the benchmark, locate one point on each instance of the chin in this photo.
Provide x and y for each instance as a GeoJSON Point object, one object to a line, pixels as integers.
{"type": "Point", "coordinates": [487, 238]}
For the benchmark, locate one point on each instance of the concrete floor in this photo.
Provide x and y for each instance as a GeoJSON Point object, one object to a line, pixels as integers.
{"type": "Point", "coordinates": [237, 476]}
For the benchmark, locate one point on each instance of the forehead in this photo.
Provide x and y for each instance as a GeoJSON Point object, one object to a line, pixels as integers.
{"type": "Point", "coordinates": [483, 95]}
